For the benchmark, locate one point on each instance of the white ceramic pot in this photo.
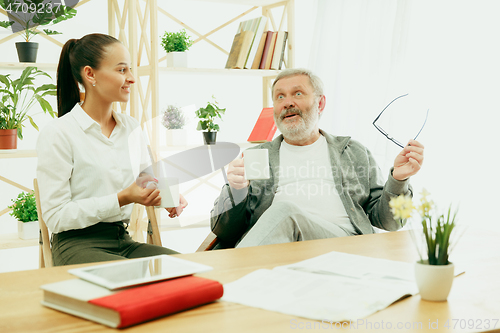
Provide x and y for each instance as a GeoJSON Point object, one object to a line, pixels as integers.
{"type": "Point", "coordinates": [28, 230]}
{"type": "Point", "coordinates": [176, 137]}
{"type": "Point", "coordinates": [434, 281]}
{"type": "Point", "coordinates": [177, 59]}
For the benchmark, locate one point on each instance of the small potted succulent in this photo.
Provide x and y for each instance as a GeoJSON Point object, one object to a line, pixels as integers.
{"type": "Point", "coordinates": [206, 124]}
{"type": "Point", "coordinates": [16, 99]}
{"type": "Point", "coordinates": [24, 210]}
{"type": "Point", "coordinates": [434, 274]}
{"type": "Point", "coordinates": [173, 120]}
{"type": "Point", "coordinates": [176, 44]}
{"type": "Point", "coordinates": [26, 15]}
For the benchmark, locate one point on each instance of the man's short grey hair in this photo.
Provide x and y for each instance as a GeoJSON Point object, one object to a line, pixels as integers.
{"type": "Point", "coordinates": [316, 82]}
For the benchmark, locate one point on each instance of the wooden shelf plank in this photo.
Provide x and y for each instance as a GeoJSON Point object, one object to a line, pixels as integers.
{"type": "Point", "coordinates": [9, 241]}
{"type": "Point", "coordinates": [214, 71]}
{"type": "Point", "coordinates": [17, 153]}
{"type": "Point", "coordinates": [247, 2]}
{"type": "Point", "coordinates": [22, 65]}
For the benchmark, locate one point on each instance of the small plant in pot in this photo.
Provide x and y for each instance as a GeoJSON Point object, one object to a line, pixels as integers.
{"type": "Point", "coordinates": [434, 275]}
{"type": "Point", "coordinates": [17, 97]}
{"type": "Point", "coordinates": [173, 120]}
{"type": "Point", "coordinates": [26, 15]}
{"type": "Point", "coordinates": [176, 44]}
{"type": "Point", "coordinates": [24, 210]}
{"type": "Point", "coordinates": [207, 116]}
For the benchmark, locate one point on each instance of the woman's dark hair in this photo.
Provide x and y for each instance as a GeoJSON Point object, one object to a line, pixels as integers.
{"type": "Point", "coordinates": [75, 55]}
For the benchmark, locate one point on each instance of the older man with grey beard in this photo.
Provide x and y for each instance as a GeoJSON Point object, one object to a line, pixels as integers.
{"type": "Point", "coordinates": [320, 185]}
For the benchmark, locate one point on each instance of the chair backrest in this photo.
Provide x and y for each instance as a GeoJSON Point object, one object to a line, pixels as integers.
{"type": "Point", "coordinates": [209, 243]}
{"type": "Point", "coordinates": [45, 253]}
{"type": "Point", "coordinates": [154, 236]}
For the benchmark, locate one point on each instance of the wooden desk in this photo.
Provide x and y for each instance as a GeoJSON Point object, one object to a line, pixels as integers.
{"type": "Point", "coordinates": [475, 295]}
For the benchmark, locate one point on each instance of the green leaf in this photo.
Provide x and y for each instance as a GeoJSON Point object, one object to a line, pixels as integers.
{"type": "Point", "coordinates": [51, 32]}
{"type": "Point", "coordinates": [46, 87]}
{"type": "Point", "coordinates": [6, 24]}
{"type": "Point", "coordinates": [32, 122]}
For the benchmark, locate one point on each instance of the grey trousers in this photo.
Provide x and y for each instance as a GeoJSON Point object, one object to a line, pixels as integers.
{"type": "Point", "coordinates": [285, 222]}
{"type": "Point", "coordinates": [103, 241]}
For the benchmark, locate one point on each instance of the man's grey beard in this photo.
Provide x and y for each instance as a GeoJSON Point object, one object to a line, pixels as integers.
{"type": "Point", "coordinates": [300, 131]}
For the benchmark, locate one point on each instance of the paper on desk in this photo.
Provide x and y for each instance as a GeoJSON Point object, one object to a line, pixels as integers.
{"type": "Point", "coordinates": [355, 266]}
{"type": "Point", "coordinates": [331, 287]}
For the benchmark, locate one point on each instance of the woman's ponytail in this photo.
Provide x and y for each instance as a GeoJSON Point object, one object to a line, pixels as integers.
{"type": "Point", "coordinates": [68, 93]}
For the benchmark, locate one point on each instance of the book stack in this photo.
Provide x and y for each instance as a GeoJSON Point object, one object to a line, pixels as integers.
{"type": "Point", "coordinates": [254, 48]}
{"type": "Point", "coordinates": [152, 289]}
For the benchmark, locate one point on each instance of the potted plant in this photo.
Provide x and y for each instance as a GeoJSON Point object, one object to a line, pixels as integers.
{"type": "Point", "coordinates": [16, 99]}
{"type": "Point", "coordinates": [176, 44]}
{"type": "Point", "coordinates": [24, 210]}
{"type": "Point", "coordinates": [207, 116]}
{"type": "Point", "coordinates": [25, 16]}
{"type": "Point", "coordinates": [434, 274]}
{"type": "Point", "coordinates": [173, 120]}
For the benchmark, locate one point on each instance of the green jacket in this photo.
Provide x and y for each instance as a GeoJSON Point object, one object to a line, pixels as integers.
{"type": "Point", "coordinates": [357, 179]}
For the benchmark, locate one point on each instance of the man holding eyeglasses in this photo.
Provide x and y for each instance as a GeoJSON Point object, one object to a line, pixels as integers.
{"type": "Point", "coordinates": [320, 185]}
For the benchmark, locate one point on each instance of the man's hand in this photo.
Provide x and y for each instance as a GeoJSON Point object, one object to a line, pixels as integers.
{"type": "Point", "coordinates": [408, 161]}
{"type": "Point", "coordinates": [176, 211]}
{"type": "Point", "coordinates": [236, 174]}
{"type": "Point", "coordinates": [137, 194]}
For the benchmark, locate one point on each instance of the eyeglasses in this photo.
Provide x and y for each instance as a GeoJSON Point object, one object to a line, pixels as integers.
{"type": "Point", "coordinates": [387, 134]}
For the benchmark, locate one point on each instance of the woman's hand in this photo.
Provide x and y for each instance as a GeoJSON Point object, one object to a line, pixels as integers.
{"type": "Point", "coordinates": [137, 194]}
{"type": "Point", "coordinates": [176, 211]}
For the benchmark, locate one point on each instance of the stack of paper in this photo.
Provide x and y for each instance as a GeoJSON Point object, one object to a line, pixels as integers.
{"type": "Point", "coordinates": [333, 287]}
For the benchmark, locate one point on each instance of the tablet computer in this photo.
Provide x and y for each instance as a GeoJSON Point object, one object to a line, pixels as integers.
{"type": "Point", "coordinates": [132, 272]}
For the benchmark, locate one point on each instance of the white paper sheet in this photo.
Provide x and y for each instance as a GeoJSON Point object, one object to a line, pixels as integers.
{"type": "Point", "coordinates": [332, 287]}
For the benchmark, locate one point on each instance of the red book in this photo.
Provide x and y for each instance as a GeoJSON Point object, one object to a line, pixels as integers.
{"type": "Point", "coordinates": [270, 54]}
{"type": "Point", "coordinates": [264, 128]}
{"type": "Point", "coordinates": [130, 306]}
{"type": "Point", "coordinates": [265, 52]}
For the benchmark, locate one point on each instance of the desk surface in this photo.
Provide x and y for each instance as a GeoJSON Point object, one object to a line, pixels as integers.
{"type": "Point", "coordinates": [474, 298]}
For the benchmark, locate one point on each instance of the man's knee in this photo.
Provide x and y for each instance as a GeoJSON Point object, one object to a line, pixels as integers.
{"type": "Point", "coordinates": [287, 208]}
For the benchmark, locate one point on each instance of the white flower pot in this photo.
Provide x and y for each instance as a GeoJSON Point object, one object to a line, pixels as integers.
{"type": "Point", "coordinates": [28, 230]}
{"type": "Point", "coordinates": [176, 137]}
{"type": "Point", "coordinates": [177, 59]}
{"type": "Point", "coordinates": [434, 281]}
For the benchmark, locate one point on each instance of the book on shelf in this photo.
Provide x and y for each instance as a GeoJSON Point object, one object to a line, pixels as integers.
{"type": "Point", "coordinates": [239, 50]}
{"type": "Point", "coordinates": [279, 50]}
{"type": "Point", "coordinates": [130, 306]}
{"type": "Point", "coordinates": [265, 51]}
{"type": "Point", "coordinates": [270, 53]}
{"type": "Point", "coordinates": [264, 128]}
{"type": "Point", "coordinates": [258, 53]}
{"type": "Point", "coordinates": [258, 29]}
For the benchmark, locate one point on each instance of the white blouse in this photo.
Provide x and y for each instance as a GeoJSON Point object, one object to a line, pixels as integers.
{"type": "Point", "coordinates": [80, 171]}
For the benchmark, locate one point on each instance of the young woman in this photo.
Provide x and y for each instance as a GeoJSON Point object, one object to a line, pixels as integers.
{"type": "Point", "coordinates": [89, 158]}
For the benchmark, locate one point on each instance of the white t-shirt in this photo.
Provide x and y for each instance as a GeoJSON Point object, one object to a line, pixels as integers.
{"type": "Point", "coordinates": [305, 178]}
{"type": "Point", "coordinates": [80, 171]}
